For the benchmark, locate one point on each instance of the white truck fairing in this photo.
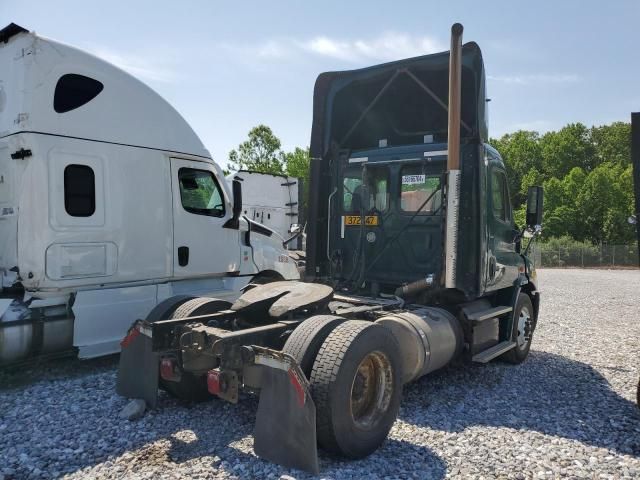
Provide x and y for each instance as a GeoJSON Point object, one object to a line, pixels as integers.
{"type": "Point", "coordinates": [109, 201]}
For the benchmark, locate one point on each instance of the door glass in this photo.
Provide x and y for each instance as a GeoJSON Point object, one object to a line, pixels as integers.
{"type": "Point", "coordinates": [200, 193]}
{"type": "Point", "coordinates": [419, 191]}
{"type": "Point", "coordinates": [498, 197]}
{"type": "Point", "coordinates": [353, 192]}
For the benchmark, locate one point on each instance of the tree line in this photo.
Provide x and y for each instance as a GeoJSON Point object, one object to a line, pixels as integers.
{"type": "Point", "coordinates": [586, 174]}
{"type": "Point", "coordinates": [587, 178]}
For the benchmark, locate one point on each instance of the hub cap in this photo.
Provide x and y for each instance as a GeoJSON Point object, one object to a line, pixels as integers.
{"type": "Point", "coordinates": [524, 328]}
{"type": "Point", "coordinates": [371, 390]}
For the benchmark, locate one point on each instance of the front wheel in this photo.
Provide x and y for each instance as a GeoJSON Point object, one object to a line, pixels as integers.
{"type": "Point", "coordinates": [356, 383]}
{"type": "Point", "coordinates": [522, 330]}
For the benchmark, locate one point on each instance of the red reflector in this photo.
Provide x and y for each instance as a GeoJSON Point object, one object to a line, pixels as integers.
{"type": "Point", "coordinates": [297, 385]}
{"type": "Point", "coordinates": [168, 369]}
{"type": "Point", "coordinates": [131, 335]}
{"type": "Point", "coordinates": [213, 382]}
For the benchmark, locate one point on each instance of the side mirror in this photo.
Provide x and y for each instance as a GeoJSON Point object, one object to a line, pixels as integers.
{"type": "Point", "coordinates": [534, 208]}
{"type": "Point", "coordinates": [234, 221]}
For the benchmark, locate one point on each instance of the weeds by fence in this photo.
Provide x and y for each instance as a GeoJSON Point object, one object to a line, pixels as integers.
{"type": "Point", "coordinates": [559, 254]}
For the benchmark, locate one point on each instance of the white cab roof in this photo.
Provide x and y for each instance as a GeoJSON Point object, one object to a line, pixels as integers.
{"type": "Point", "coordinates": [126, 111]}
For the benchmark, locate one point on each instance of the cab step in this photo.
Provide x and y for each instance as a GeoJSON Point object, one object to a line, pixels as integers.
{"type": "Point", "coordinates": [493, 352]}
{"type": "Point", "coordinates": [490, 313]}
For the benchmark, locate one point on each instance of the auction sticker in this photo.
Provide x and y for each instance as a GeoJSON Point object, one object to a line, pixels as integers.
{"type": "Point", "coordinates": [413, 179]}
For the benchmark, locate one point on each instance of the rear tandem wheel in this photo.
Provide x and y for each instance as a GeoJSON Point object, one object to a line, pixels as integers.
{"type": "Point", "coordinates": [356, 383]}
{"type": "Point", "coordinates": [305, 341]}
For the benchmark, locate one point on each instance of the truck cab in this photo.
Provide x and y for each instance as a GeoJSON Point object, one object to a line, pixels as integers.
{"type": "Point", "coordinates": [109, 203]}
{"type": "Point", "coordinates": [413, 261]}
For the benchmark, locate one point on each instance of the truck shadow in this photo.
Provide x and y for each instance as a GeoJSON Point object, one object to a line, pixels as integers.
{"type": "Point", "coordinates": [231, 450]}
{"type": "Point", "coordinates": [548, 393]}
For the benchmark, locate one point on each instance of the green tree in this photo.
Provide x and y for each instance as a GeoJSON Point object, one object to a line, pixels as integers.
{"type": "Point", "coordinates": [612, 143]}
{"type": "Point", "coordinates": [605, 202]}
{"type": "Point", "coordinates": [567, 148]}
{"type": "Point", "coordinates": [297, 163]}
{"type": "Point", "coordinates": [261, 152]}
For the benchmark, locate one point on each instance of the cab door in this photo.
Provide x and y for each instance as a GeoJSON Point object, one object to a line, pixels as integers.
{"type": "Point", "coordinates": [202, 246]}
{"type": "Point", "coordinates": [503, 259]}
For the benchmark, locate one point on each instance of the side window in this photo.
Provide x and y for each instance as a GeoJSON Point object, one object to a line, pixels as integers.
{"type": "Point", "coordinates": [349, 188]}
{"type": "Point", "coordinates": [418, 190]}
{"type": "Point", "coordinates": [200, 193]}
{"type": "Point", "coordinates": [352, 191]}
{"type": "Point", "coordinates": [73, 91]}
{"type": "Point", "coordinates": [79, 190]}
{"type": "Point", "coordinates": [500, 196]}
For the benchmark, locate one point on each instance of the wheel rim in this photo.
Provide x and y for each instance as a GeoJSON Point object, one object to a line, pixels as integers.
{"type": "Point", "coordinates": [524, 328]}
{"type": "Point", "coordinates": [371, 390]}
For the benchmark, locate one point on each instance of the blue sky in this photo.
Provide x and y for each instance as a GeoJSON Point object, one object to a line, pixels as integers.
{"type": "Point", "coordinates": [228, 66]}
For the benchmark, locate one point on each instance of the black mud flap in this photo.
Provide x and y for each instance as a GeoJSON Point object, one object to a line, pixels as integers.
{"type": "Point", "coordinates": [285, 431]}
{"type": "Point", "coordinates": [139, 365]}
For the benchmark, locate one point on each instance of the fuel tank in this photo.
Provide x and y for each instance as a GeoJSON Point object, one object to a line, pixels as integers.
{"type": "Point", "coordinates": [25, 332]}
{"type": "Point", "coordinates": [429, 339]}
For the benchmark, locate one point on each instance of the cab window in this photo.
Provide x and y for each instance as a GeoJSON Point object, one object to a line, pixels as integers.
{"type": "Point", "coordinates": [200, 193]}
{"type": "Point", "coordinates": [353, 192]}
{"type": "Point", "coordinates": [419, 191]}
{"type": "Point", "coordinates": [500, 196]}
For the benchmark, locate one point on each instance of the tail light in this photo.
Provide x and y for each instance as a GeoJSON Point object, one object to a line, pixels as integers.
{"type": "Point", "coordinates": [169, 369]}
{"type": "Point", "coordinates": [215, 382]}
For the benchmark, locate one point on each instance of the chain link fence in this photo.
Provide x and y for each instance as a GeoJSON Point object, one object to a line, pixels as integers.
{"type": "Point", "coordinates": [585, 256]}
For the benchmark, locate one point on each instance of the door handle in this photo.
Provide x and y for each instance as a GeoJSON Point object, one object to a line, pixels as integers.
{"type": "Point", "coordinates": [183, 256]}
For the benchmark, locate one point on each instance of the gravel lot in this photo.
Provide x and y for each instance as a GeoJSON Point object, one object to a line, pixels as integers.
{"type": "Point", "coordinates": [568, 411]}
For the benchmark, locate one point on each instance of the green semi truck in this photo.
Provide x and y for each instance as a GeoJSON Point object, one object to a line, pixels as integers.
{"type": "Point", "coordinates": [413, 261]}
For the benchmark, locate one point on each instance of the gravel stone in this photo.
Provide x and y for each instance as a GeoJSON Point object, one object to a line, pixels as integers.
{"type": "Point", "coordinates": [133, 410]}
{"type": "Point", "coordinates": [568, 411]}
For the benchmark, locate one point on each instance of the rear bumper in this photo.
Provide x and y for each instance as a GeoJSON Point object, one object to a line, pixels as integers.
{"type": "Point", "coordinates": [285, 430]}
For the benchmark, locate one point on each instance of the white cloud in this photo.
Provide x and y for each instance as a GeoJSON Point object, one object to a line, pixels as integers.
{"type": "Point", "coordinates": [537, 78]}
{"type": "Point", "coordinates": [144, 67]}
{"type": "Point", "coordinates": [388, 46]}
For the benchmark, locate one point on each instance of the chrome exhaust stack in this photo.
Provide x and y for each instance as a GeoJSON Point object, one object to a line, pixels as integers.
{"type": "Point", "coordinates": [453, 157]}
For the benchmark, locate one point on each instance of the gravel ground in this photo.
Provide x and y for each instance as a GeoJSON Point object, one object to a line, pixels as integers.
{"type": "Point", "coordinates": [568, 411]}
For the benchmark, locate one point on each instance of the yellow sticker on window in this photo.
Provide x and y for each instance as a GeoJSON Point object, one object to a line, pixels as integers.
{"type": "Point", "coordinates": [369, 220]}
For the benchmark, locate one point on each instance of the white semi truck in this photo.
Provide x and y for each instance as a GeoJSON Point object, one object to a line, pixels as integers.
{"type": "Point", "coordinates": [274, 201]}
{"type": "Point", "coordinates": [109, 203]}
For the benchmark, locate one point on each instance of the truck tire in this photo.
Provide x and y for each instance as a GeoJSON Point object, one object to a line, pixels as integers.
{"type": "Point", "coordinates": [305, 341]}
{"type": "Point", "coordinates": [165, 308]}
{"type": "Point", "coordinates": [522, 330]}
{"type": "Point", "coordinates": [193, 388]}
{"type": "Point", "coordinates": [356, 383]}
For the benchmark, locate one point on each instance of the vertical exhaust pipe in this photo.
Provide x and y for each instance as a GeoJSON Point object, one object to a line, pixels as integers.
{"type": "Point", "coordinates": [455, 80]}
{"type": "Point", "coordinates": [453, 157]}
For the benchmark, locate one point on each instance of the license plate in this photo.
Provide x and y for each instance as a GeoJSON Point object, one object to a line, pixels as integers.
{"type": "Point", "coordinates": [369, 220]}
